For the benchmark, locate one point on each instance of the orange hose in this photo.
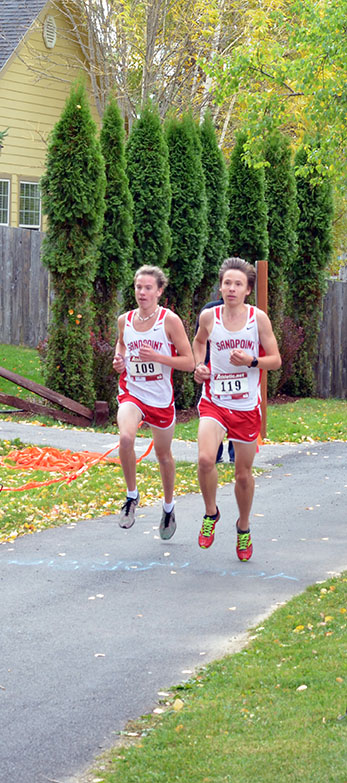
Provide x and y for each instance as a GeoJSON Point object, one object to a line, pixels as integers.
{"type": "Point", "coordinates": [66, 462]}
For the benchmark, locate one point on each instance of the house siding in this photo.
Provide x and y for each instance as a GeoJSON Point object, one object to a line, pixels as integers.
{"type": "Point", "coordinates": [34, 85]}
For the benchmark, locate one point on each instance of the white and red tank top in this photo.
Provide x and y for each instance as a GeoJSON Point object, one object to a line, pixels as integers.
{"type": "Point", "coordinates": [150, 382]}
{"type": "Point", "coordinates": [236, 388]}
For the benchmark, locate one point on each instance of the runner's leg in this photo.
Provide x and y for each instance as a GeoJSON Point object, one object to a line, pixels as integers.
{"type": "Point", "coordinates": [128, 420]}
{"type": "Point", "coordinates": [162, 444]}
{"type": "Point", "coordinates": [210, 435]}
{"type": "Point", "coordinates": [244, 481]}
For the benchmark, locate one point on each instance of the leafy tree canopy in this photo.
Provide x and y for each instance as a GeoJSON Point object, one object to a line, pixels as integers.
{"type": "Point", "coordinates": [288, 71]}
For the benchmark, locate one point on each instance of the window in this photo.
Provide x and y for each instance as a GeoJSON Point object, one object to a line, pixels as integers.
{"type": "Point", "coordinates": [4, 202]}
{"type": "Point", "coordinates": [30, 205]}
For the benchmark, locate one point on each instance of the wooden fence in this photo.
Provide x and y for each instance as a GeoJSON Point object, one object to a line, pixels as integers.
{"type": "Point", "coordinates": [25, 305]}
{"type": "Point", "coordinates": [331, 368]}
{"type": "Point", "coordinates": [24, 287]}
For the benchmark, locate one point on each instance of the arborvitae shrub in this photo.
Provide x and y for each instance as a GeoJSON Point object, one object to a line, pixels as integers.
{"type": "Point", "coordinates": [73, 199]}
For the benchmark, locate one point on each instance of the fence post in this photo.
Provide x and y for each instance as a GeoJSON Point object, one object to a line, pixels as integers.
{"type": "Point", "coordinates": [261, 302]}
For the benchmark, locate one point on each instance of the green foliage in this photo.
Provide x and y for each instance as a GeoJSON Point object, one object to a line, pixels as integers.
{"type": "Point", "coordinates": [2, 136]}
{"type": "Point", "coordinates": [105, 378]}
{"type": "Point", "coordinates": [148, 173]}
{"type": "Point", "coordinates": [247, 222]}
{"type": "Point", "coordinates": [306, 273]}
{"type": "Point", "coordinates": [113, 272]}
{"type": "Point", "coordinates": [72, 198]}
{"type": "Point", "coordinates": [283, 215]}
{"type": "Point", "coordinates": [216, 183]}
{"type": "Point", "coordinates": [287, 71]}
{"type": "Point", "coordinates": [188, 230]}
{"type": "Point", "coordinates": [188, 208]}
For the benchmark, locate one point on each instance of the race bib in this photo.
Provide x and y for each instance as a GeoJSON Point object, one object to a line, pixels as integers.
{"type": "Point", "coordinates": [144, 371]}
{"type": "Point", "coordinates": [233, 385]}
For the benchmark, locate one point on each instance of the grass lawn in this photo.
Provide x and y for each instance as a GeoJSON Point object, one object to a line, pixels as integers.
{"type": "Point", "coordinates": [23, 361]}
{"type": "Point", "coordinates": [97, 492]}
{"type": "Point", "coordinates": [276, 711]}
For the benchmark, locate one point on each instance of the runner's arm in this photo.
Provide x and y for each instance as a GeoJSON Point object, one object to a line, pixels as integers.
{"type": "Point", "coordinates": [272, 359]}
{"type": "Point", "coordinates": [176, 334]}
{"type": "Point", "coordinates": [202, 372]}
{"type": "Point", "coordinates": [120, 349]}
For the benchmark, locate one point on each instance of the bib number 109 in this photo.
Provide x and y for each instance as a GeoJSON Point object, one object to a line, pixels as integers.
{"type": "Point", "coordinates": [149, 371]}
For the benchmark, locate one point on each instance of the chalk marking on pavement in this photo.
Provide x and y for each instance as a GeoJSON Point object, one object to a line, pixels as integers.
{"type": "Point", "coordinates": [138, 565]}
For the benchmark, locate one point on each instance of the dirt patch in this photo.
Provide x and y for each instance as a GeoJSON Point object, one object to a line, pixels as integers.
{"type": "Point", "coordinates": [282, 399]}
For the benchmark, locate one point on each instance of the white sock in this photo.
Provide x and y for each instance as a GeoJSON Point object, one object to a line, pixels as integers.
{"type": "Point", "coordinates": [132, 494]}
{"type": "Point", "coordinates": [168, 506]}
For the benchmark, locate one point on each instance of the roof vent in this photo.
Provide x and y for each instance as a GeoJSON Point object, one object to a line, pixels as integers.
{"type": "Point", "coordinates": [49, 32]}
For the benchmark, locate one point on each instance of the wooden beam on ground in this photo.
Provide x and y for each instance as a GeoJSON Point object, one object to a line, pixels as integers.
{"type": "Point", "coordinates": [48, 394]}
{"type": "Point", "coordinates": [43, 410]}
{"type": "Point", "coordinates": [262, 302]}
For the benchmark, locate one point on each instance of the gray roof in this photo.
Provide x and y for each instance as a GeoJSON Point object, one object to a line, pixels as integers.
{"type": "Point", "coordinates": [16, 17]}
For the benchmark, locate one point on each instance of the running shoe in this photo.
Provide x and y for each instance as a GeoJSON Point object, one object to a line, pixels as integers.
{"type": "Point", "coordinates": [127, 513]}
{"type": "Point", "coordinates": [244, 546]}
{"type": "Point", "coordinates": [167, 525]}
{"type": "Point", "coordinates": [206, 535]}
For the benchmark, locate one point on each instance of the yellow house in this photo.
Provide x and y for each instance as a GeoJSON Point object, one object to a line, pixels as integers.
{"type": "Point", "coordinates": [40, 58]}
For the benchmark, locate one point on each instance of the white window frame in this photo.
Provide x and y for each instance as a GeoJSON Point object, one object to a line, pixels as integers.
{"type": "Point", "coordinates": [5, 179]}
{"type": "Point", "coordinates": [34, 226]}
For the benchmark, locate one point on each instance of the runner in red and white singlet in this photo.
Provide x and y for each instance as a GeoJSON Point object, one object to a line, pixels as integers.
{"type": "Point", "coordinates": [242, 344]}
{"type": "Point", "coordinates": [151, 343]}
{"type": "Point", "coordinates": [226, 387]}
{"type": "Point", "coordinates": [150, 382]}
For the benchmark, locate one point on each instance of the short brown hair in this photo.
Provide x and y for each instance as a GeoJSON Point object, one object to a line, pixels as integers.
{"type": "Point", "coordinates": [156, 272]}
{"type": "Point", "coordinates": [238, 263]}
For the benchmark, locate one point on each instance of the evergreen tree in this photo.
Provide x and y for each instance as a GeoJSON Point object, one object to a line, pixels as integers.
{"type": "Point", "coordinates": [247, 221]}
{"type": "Point", "coordinates": [149, 181]}
{"type": "Point", "coordinates": [282, 210]}
{"type": "Point", "coordinates": [216, 183]}
{"type": "Point", "coordinates": [113, 272]}
{"type": "Point", "coordinates": [188, 230]}
{"type": "Point", "coordinates": [73, 199]}
{"type": "Point", "coordinates": [188, 210]}
{"type": "Point", "coordinates": [306, 273]}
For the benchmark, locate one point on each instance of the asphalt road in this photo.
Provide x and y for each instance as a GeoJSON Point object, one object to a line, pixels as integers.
{"type": "Point", "coordinates": [95, 620]}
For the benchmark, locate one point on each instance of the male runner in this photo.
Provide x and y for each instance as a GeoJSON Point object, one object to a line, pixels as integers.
{"type": "Point", "coordinates": [151, 343]}
{"type": "Point", "coordinates": [242, 343]}
{"type": "Point", "coordinates": [219, 457]}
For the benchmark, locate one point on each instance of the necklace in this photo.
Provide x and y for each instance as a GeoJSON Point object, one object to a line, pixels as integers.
{"type": "Point", "coordinates": [147, 316]}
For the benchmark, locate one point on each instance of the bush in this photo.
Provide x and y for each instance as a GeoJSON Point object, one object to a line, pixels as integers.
{"type": "Point", "coordinates": [105, 378]}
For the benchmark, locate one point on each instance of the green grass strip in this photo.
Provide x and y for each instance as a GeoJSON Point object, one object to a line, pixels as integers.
{"type": "Point", "coordinates": [276, 711]}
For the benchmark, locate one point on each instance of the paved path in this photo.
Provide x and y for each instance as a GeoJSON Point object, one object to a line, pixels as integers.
{"type": "Point", "coordinates": [87, 440]}
{"type": "Point", "coordinates": [96, 620]}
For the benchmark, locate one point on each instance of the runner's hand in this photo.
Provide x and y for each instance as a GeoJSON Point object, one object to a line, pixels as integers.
{"type": "Point", "coordinates": [240, 358]}
{"type": "Point", "coordinates": [118, 363]}
{"type": "Point", "coordinates": [147, 354]}
{"type": "Point", "coordinates": [201, 373]}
